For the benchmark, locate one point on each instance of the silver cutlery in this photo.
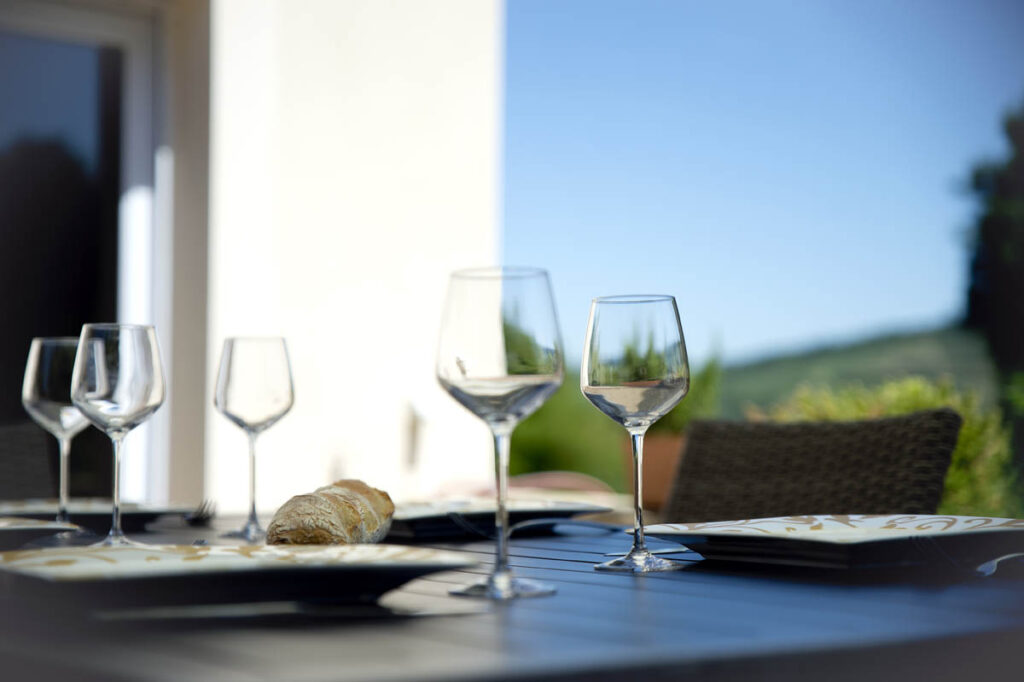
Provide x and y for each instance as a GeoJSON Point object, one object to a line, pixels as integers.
{"type": "Point", "coordinates": [201, 515]}
{"type": "Point", "coordinates": [991, 566]}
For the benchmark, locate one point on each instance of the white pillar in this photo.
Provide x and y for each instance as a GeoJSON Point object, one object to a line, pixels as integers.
{"type": "Point", "coordinates": [355, 162]}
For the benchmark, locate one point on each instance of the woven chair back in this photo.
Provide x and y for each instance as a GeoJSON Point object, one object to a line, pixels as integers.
{"type": "Point", "coordinates": [746, 470]}
{"type": "Point", "coordinates": [25, 462]}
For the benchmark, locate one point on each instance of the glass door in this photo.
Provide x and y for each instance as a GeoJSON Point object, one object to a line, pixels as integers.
{"type": "Point", "coordinates": [60, 174]}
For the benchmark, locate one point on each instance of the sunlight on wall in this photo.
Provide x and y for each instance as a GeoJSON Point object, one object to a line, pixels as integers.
{"type": "Point", "coordinates": [355, 160]}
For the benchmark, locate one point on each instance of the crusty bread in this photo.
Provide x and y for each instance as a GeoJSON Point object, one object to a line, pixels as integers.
{"type": "Point", "coordinates": [345, 512]}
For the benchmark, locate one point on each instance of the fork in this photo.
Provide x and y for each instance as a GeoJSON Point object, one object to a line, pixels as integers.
{"type": "Point", "coordinates": [201, 515]}
{"type": "Point", "coordinates": [467, 525]}
{"type": "Point", "coordinates": [989, 567]}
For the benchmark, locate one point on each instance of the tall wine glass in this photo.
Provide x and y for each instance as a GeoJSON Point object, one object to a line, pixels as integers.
{"type": "Point", "coordinates": [500, 356]}
{"type": "Point", "coordinates": [46, 395]}
{"type": "Point", "coordinates": [117, 383]}
{"type": "Point", "coordinates": [254, 390]}
{"type": "Point", "coordinates": [635, 370]}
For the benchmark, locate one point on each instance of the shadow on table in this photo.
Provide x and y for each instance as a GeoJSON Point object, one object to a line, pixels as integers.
{"type": "Point", "coordinates": [53, 619]}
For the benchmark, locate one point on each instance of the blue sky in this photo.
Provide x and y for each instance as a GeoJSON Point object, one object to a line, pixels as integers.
{"type": "Point", "coordinates": [792, 172]}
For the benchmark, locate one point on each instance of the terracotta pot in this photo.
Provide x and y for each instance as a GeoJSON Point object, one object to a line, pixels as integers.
{"type": "Point", "coordinates": [661, 458]}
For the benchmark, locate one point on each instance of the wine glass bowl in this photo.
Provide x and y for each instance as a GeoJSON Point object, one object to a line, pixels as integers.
{"type": "Point", "coordinates": [46, 396]}
{"type": "Point", "coordinates": [500, 356]}
{"type": "Point", "coordinates": [117, 383]}
{"type": "Point", "coordinates": [254, 390]}
{"type": "Point", "coordinates": [635, 370]}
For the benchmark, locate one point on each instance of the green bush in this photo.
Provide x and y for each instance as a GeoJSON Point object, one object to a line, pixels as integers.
{"type": "Point", "coordinates": [1015, 393]}
{"type": "Point", "coordinates": [981, 479]}
{"type": "Point", "coordinates": [569, 434]}
{"type": "Point", "coordinates": [702, 402]}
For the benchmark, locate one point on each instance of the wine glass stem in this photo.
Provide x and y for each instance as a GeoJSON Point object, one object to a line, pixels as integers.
{"type": "Point", "coordinates": [253, 519]}
{"type": "Point", "coordinates": [115, 524]}
{"type": "Point", "coordinates": [501, 449]}
{"type": "Point", "coordinates": [62, 483]}
{"type": "Point", "coordinates": [638, 492]}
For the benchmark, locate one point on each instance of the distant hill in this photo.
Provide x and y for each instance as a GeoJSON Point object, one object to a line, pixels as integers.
{"type": "Point", "coordinates": [952, 351]}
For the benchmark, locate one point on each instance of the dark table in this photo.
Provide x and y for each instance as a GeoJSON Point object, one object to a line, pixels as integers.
{"type": "Point", "coordinates": [707, 622]}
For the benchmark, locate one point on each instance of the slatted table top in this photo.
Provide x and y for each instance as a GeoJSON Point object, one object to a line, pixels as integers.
{"type": "Point", "coordinates": [721, 621]}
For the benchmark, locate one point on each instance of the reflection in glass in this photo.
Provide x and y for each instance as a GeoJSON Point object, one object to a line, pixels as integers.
{"type": "Point", "coordinates": [500, 356]}
{"type": "Point", "coordinates": [254, 390]}
{"type": "Point", "coordinates": [635, 370]}
{"type": "Point", "coordinates": [46, 395]}
{"type": "Point", "coordinates": [118, 383]}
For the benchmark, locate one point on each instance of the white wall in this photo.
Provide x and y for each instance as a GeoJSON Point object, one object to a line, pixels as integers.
{"type": "Point", "coordinates": [354, 162]}
{"type": "Point", "coordinates": [162, 210]}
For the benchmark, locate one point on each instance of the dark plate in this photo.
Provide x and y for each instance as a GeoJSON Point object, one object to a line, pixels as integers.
{"type": "Point", "coordinates": [17, 532]}
{"type": "Point", "coordinates": [162, 575]}
{"type": "Point", "coordinates": [475, 518]}
{"type": "Point", "coordinates": [851, 541]}
{"type": "Point", "coordinates": [92, 513]}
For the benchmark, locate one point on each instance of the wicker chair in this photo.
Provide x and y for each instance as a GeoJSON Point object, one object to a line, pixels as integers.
{"type": "Point", "coordinates": [739, 470]}
{"type": "Point", "coordinates": [25, 462]}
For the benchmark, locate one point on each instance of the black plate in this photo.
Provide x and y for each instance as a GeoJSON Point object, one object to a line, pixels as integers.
{"type": "Point", "coordinates": [193, 580]}
{"type": "Point", "coordinates": [91, 514]}
{"type": "Point", "coordinates": [14, 535]}
{"type": "Point", "coordinates": [475, 519]}
{"type": "Point", "coordinates": [941, 541]}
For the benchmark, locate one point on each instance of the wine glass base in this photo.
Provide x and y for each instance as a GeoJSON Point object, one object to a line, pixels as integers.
{"type": "Point", "coordinates": [502, 590]}
{"type": "Point", "coordinates": [639, 562]}
{"type": "Point", "coordinates": [249, 535]}
{"type": "Point", "coordinates": [120, 540]}
{"type": "Point", "coordinates": [78, 538]}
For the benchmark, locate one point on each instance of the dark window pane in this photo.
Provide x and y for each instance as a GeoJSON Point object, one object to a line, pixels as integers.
{"type": "Point", "coordinates": [59, 179]}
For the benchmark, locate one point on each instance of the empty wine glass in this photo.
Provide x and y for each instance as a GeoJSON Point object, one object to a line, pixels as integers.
{"type": "Point", "coordinates": [635, 370]}
{"type": "Point", "coordinates": [500, 356]}
{"type": "Point", "coordinates": [254, 390]}
{"type": "Point", "coordinates": [46, 395]}
{"type": "Point", "coordinates": [117, 383]}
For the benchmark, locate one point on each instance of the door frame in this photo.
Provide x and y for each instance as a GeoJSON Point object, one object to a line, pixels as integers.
{"type": "Point", "coordinates": [162, 209]}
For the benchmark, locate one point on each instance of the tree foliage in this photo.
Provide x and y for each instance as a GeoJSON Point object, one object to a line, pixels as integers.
{"type": "Point", "coordinates": [703, 401]}
{"type": "Point", "coordinates": [995, 302]}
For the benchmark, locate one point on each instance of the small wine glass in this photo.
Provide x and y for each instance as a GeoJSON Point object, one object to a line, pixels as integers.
{"type": "Point", "coordinates": [46, 395]}
{"type": "Point", "coordinates": [117, 383]}
{"type": "Point", "coordinates": [254, 390]}
{"type": "Point", "coordinates": [635, 370]}
{"type": "Point", "coordinates": [500, 356]}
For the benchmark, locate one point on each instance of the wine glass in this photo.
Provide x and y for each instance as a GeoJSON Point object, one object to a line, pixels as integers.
{"type": "Point", "coordinates": [635, 370]}
{"type": "Point", "coordinates": [46, 395]}
{"type": "Point", "coordinates": [500, 356]}
{"type": "Point", "coordinates": [254, 390]}
{"type": "Point", "coordinates": [117, 383]}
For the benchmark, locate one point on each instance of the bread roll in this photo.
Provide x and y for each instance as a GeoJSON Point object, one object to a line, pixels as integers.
{"type": "Point", "coordinates": [345, 512]}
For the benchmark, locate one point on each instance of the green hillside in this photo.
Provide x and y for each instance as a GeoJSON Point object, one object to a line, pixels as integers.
{"type": "Point", "coordinates": [953, 352]}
